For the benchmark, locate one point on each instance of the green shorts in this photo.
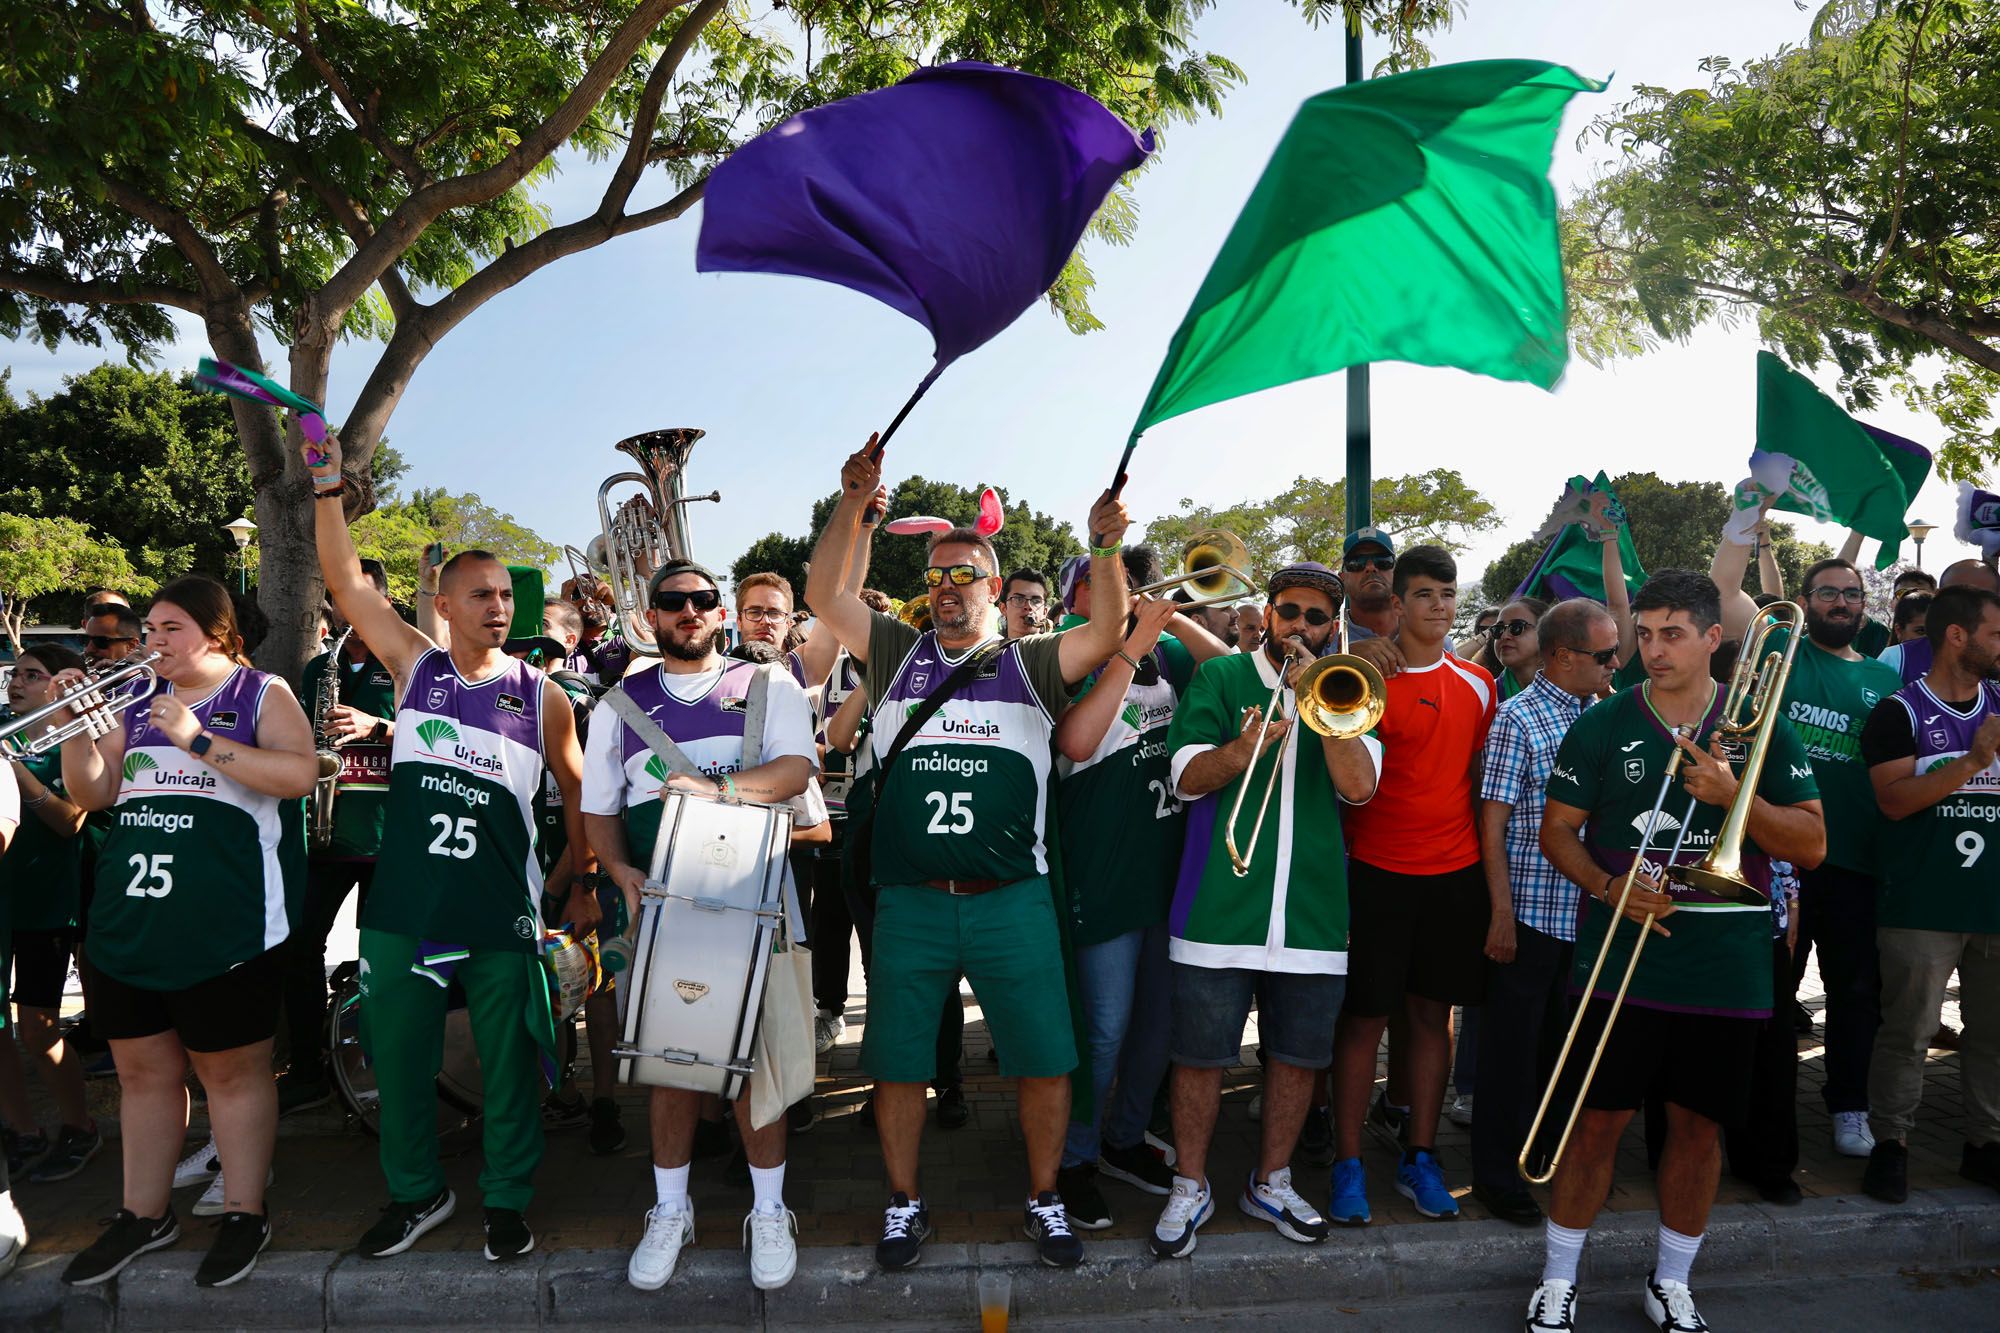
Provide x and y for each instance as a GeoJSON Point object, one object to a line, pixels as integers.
{"type": "Point", "coordinates": [1004, 942]}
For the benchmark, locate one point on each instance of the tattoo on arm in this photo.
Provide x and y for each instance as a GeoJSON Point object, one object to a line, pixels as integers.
{"type": "Point", "coordinates": [221, 757]}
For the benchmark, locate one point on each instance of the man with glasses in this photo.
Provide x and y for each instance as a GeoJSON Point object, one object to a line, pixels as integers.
{"type": "Point", "coordinates": [1024, 600]}
{"type": "Point", "coordinates": [1533, 929]}
{"type": "Point", "coordinates": [1277, 934]}
{"type": "Point", "coordinates": [1832, 690]}
{"type": "Point", "coordinates": [697, 697]}
{"type": "Point", "coordinates": [111, 634]}
{"type": "Point", "coordinates": [958, 843]}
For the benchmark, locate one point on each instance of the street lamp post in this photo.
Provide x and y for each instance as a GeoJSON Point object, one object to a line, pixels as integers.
{"type": "Point", "coordinates": [1918, 531]}
{"type": "Point", "coordinates": [239, 531]}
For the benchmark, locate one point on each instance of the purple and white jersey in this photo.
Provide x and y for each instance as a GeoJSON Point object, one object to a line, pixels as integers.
{"type": "Point", "coordinates": [1939, 865]}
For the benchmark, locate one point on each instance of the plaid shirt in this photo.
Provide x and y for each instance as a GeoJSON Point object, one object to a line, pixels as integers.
{"type": "Point", "coordinates": [1520, 751]}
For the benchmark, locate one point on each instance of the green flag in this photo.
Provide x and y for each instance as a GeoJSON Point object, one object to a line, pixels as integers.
{"type": "Point", "coordinates": [1408, 218]}
{"type": "Point", "coordinates": [1821, 462]}
{"type": "Point", "coordinates": [1572, 565]}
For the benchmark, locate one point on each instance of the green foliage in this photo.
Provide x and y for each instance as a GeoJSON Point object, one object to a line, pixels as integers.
{"type": "Point", "coordinates": [42, 556]}
{"type": "Point", "coordinates": [1839, 194]}
{"type": "Point", "coordinates": [397, 532]}
{"type": "Point", "coordinates": [1675, 525]}
{"type": "Point", "coordinates": [144, 456]}
{"type": "Point", "coordinates": [1308, 520]}
{"type": "Point", "coordinates": [1029, 538]}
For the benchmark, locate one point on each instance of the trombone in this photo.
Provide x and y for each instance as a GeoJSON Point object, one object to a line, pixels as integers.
{"type": "Point", "coordinates": [1760, 684]}
{"type": "Point", "coordinates": [132, 681]}
{"type": "Point", "coordinates": [1340, 695]}
{"type": "Point", "coordinates": [1212, 565]}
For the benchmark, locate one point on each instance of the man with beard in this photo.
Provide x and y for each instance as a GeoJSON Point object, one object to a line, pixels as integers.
{"type": "Point", "coordinates": [697, 697]}
{"type": "Point", "coordinates": [1931, 750]}
{"type": "Point", "coordinates": [1219, 621]}
{"type": "Point", "coordinates": [1913, 658]}
{"type": "Point", "coordinates": [958, 843]}
{"type": "Point", "coordinates": [1277, 934]}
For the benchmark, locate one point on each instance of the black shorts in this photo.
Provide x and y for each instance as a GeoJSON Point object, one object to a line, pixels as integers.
{"type": "Point", "coordinates": [237, 1008]}
{"type": "Point", "coordinates": [1702, 1062]}
{"type": "Point", "coordinates": [1422, 935]}
{"type": "Point", "coordinates": [41, 967]}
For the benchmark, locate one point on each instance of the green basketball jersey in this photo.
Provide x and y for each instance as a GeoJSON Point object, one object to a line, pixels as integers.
{"type": "Point", "coordinates": [1826, 700]}
{"type": "Point", "coordinates": [41, 874]}
{"type": "Point", "coordinates": [1718, 959]}
{"type": "Point", "coordinates": [458, 859]}
{"type": "Point", "coordinates": [190, 880]}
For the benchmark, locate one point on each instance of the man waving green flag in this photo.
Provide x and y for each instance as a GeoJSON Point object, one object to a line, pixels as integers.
{"type": "Point", "coordinates": [1408, 218]}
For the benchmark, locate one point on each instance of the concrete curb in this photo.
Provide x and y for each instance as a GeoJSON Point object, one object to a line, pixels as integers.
{"type": "Point", "coordinates": [1942, 1230]}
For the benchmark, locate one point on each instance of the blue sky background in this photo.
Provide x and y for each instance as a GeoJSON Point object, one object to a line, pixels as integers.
{"type": "Point", "coordinates": [522, 403]}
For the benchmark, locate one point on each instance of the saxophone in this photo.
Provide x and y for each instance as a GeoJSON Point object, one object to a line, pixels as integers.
{"type": "Point", "coordinates": [327, 785]}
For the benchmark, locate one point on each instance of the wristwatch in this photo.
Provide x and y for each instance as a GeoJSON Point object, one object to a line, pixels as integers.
{"type": "Point", "coordinates": [199, 746]}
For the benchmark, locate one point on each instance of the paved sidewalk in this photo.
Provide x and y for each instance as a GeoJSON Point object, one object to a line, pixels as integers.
{"type": "Point", "coordinates": [589, 1211]}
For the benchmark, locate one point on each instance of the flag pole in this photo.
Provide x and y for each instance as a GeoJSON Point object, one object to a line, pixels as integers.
{"type": "Point", "coordinates": [1360, 484]}
{"type": "Point", "coordinates": [882, 441]}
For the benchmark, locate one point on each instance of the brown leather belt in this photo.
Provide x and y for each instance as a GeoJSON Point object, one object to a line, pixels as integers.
{"type": "Point", "coordinates": [966, 888]}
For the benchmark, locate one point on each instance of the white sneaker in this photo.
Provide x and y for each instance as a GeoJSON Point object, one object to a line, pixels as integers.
{"type": "Point", "coordinates": [198, 1167]}
{"type": "Point", "coordinates": [827, 1029]}
{"type": "Point", "coordinates": [13, 1233]}
{"type": "Point", "coordinates": [1851, 1136]}
{"type": "Point", "coordinates": [1669, 1306]}
{"type": "Point", "coordinates": [774, 1254]}
{"type": "Point", "coordinates": [1187, 1208]}
{"type": "Point", "coordinates": [660, 1248]}
{"type": "Point", "coordinates": [1552, 1307]}
{"type": "Point", "coordinates": [214, 1200]}
{"type": "Point", "coordinates": [1256, 1107]}
{"type": "Point", "coordinates": [1460, 1113]}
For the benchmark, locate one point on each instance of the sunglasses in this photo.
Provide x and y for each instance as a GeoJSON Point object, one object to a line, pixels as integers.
{"type": "Point", "coordinates": [1354, 564]}
{"type": "Point", "coordinates": [1312, 615]}
{"type": "Point", "coordinates": [704, 600]}
{"type": "Point", "coordinates": [102, 641]}
{"type": "Point", "coordinates": [1510, 628]}
{"type": "Point", "coordinates": [960, 575]}
{"type": "Point", "coordinates": [1602, 659]}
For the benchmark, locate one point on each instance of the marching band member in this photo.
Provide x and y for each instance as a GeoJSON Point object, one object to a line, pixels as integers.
{"type": "Point", "coordinates": [958, 844]}
{"type": "Point", "coordinates": [13, 1228]}
{"type": "Point", "coordinates": [457, 884]}
{"type": "Point", "coordinates": [696, 697]}
{"type": "Point", "coordinates": [189, 920]}
{"type": "Point", "coordinates": [1024, 601]}
{"type": "Point", "coordinates": [1690, 1024]}
{"type": "Point", "coordinates": [1277, 934]}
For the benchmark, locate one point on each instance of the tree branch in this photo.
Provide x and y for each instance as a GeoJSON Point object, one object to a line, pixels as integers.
{"type": "Point", "coordinates": [300, 39]}
{"type": "Point", "coordinates": [71, 291]}
{"type": "Point", "coordinates": [216, 284]}
{"type": "Point", "coordinates": [1939, 331]}
{"type": "Point", "coordinates": [402, 228]}
{"type": "Point", "coordinates": [647, 116]}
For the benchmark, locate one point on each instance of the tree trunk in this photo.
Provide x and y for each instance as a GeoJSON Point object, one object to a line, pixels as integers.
{"type": "Point", "coordinates": [289, 587]}
{"type": "Point", "coordinates": [12, 619]}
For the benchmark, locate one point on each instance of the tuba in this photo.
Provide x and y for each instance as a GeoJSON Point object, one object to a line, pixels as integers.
{"type": "Point", "coordinates": [326, 749]}
{"type": "Point", "coordinates": [646, 531]}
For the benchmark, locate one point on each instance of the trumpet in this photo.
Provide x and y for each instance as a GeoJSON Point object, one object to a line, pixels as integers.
{"type": "Point", "coordinates": [1340, 695]}
{"type": "Point", "coordinates": [131, 681]}
{"type": "Point", "coordinates": [1212, 564]}
{"type": "Point", "coordinates": [646, 531]}
{"type": "Point", "coordinates": [1760, 684]}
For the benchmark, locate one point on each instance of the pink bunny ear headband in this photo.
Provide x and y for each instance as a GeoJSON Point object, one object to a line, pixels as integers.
{"type": "Point", "coordinates": [991, 519]}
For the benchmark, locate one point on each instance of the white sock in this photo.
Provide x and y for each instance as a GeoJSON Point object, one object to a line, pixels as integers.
{"type": "Point", "coordinates": [671, 1183]}
{"type": "Point", "coordinates": [768, 1184]}
{"type": "Point", "coordinates": [1564, 1248]}
{"type": "Point", "coordinates": [1676, 1256]}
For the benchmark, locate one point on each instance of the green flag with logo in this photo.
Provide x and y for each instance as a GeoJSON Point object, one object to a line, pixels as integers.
{"type": "Point", "coordinates": [1408, 218]}
{"type": "Point", "coordinates": [1823, 463]}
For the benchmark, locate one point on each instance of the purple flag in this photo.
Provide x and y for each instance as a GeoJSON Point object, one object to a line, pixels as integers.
{"type": "Point", "coordinates": [955, 196]}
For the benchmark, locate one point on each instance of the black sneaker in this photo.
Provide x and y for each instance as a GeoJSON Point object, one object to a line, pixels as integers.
{"type": "Point", "coordinates": [403, 1223]}
{"type": "Point", "coordinates": [1316, 1137]}
{"type": "Point", "coordinates": [507, 1235]}
{"type": "Point", "coordinates": [72, 1152]}
{"type": "Point", "coordinates": [1081, 1198]}
{"type": "Point", "coordinates": [1887, 1175]}
{"type": "Point", "coordinates": [905, 1228]}
{"type": "Point", "coordinates": [607, 1132]}
{"type": "Point", "coordinates": [124, 1240]}
{"type": "Point", "coordinates": [239, 1239]}
{"type": "Point", "coordinates": [1048, 1226]}
{"type": "Point", "coordinates": [1391, 1122]}
{"type": "Point", "coordinates": [711, 1139]}
{"type": "Point", "coordinates": [301, 1092]}
{"type": "Point", "coordinates": [1138, 1166]}
{"type": "Point", "coordinates": [560, 1114]}
{"type": "Point", "coordinates": [952, 1112]}
{"type": "Point", "coordinates": [1980, 1165]}
{"type": "Point", "coordinates": [23, 1151]}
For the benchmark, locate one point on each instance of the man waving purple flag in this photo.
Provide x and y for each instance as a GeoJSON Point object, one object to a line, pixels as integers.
{"type": "Point", "coordinates": [955, 196]}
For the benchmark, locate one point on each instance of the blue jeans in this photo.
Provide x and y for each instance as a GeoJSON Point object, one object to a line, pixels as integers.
{"type": "Point", "coordinates": [1126, 1011]}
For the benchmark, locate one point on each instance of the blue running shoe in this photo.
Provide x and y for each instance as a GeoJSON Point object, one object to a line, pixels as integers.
{"type": "Point", "coordinates": [1419, 1181]}
{"type": "Point", "coordinates": [1349, 1205]}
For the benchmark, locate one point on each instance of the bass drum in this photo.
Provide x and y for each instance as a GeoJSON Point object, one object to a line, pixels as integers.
{"type": "Point", "coordinates": [458, 1082]}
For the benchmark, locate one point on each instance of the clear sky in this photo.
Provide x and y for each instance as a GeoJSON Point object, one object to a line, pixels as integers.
{"type": "Point", "coordinates": [522, 403]}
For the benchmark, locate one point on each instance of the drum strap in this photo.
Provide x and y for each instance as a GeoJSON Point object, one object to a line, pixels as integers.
{"type": "Point", "coordinates": [649, 731]}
